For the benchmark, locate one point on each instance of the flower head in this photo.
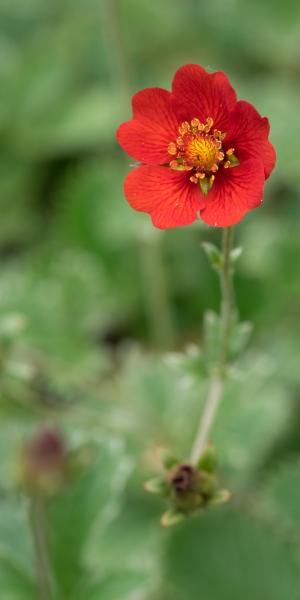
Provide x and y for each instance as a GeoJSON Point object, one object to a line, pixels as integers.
{"type": "Point", "coordinates": [189, 488]}
{"type": "Point", "coordinates": [200, 151]}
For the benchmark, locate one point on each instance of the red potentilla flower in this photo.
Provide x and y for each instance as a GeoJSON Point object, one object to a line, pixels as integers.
{"type": "Point", "coordinates": [201, 151]}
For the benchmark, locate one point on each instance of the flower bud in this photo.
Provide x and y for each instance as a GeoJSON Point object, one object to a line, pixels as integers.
{"type": "Point", "coordinates": [43, 464]}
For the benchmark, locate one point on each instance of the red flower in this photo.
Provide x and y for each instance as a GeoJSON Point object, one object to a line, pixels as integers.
{"type": "Point", "coordinates": [200, 150]}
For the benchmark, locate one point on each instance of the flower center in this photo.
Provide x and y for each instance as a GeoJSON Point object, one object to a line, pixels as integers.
{"type": "Point", "coordinates": [199, 149]}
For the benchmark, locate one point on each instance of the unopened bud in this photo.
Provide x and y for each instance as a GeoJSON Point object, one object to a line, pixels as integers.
{"type": "Point", "coordinates": [44, 463]}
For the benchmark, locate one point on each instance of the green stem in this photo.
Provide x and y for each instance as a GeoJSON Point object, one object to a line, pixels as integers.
{"type": "Point", "coordinates": [216, 384]}
{"type": "Point", "coordinates": [38, 519]}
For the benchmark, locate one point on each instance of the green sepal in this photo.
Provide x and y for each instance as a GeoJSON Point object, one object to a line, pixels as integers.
{"type": "Point", "coordinates": [172, 517]}
{"type": "Point", "coordinates": [157, 485]}
{"type": "Point", "coordinates": [208, 460]}
{"type": "Point", "coordinates": [234, 161]}
{"type": "Point", "coordinates": [167, 458]}
{"type": "Point", "coordinates": [205, 185]}
{"type": "Point", "coordinates": [208, 485]}
{"type": "Point", "coordinates": [220, 497]}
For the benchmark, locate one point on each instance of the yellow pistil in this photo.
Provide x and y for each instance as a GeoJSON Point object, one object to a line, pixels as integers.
{"type": "Point", "coordinates": [201, 152]}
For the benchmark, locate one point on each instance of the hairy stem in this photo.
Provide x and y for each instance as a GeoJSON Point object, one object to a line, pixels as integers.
{"type": "Point", "coordinates": [216, 383]}
{"type": "Point", "coordinates": [38, 519]}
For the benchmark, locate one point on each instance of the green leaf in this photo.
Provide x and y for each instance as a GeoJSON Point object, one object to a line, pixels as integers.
{"type": "Point", "coordinates": [253, 412]}
{"type": "Point", "coordinates": [15, 585]}
{"type": "Point", "coordinates": [235, 254]}
{"type": "Point", "coordinates": [121, 584]}
{"type": "Point", "coordinates": [213, 253]}
{"type": "Point", "coordinates": [279, 499]}
{"type": "Point", "coordinates": [239, 338]}
{"type": "Point", "coordinates": [211, 327]}
{"type": "Point", "coordinates": [131, 541]}
{"type": "Point", "coordinates": [16, 545]}
{"type": "Point", "coordinates": [75, 512]}
{"type": "Point", "coordinates": [228, 555]}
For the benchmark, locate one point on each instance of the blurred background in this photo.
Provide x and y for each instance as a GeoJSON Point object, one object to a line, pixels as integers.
{"type": "Point", "coordinates": [101, 316]}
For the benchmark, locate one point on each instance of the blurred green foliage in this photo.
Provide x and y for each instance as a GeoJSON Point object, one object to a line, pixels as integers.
{"type": "Point", "coordinates": [101, 316]}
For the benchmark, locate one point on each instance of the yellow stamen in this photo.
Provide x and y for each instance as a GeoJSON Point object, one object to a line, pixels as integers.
{"type": "Point", "coordinates": [174, 164]}
{"type": "Point", "coordinates": [184, 128]}
{"type": "Point", "coordinates": [195, 122]}
{"type": "Point", "coordinates": [198, 148]}
{"type": "Point", "coordinates": [209, 123]}
{"type": "Point", "coordinates": [172, 149]}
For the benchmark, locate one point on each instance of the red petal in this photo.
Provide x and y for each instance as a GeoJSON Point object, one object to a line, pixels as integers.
{"type": "Point", "coordinates": [155, 125]}
{"type": "Point", "coordinates": [248, 134]}
{"type": "Point", "coordinates": [169, 196]}
{"type": "Point", "coordinates": [203, 95]}
{"type": "Point", "coordinates": [145, 142]}
{"type": "Point", "coordinates": [235, 191]}
{"type": "Point", "coordinates": [156, 105]}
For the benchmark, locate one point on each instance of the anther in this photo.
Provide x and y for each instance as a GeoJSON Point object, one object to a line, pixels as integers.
{"type": "Point", "coordinates": [195, 122]}
{"type": "Point", "coordinates": [174, 164]}
{"type": "Point", "coordinates": [184, 128]}
{"type": "Point", "coordinates": [209, 124]}
{"type": "Point", "coordinates": [172, 149]}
